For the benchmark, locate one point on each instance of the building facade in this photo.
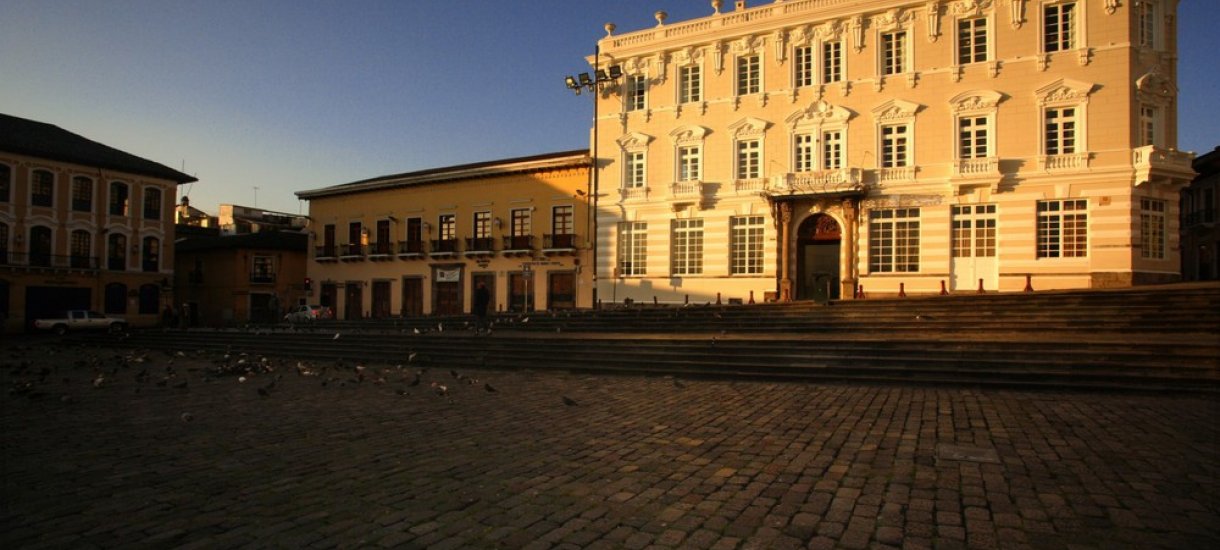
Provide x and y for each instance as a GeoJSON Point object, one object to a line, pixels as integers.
{"type": "Point", "coordinates": [1200, 210]}
{"type": "Point", "coordinates": [82, 226]}
{"type": "Point", "coordinates": [810, 149]}
{"type": "Point", "coordinates": [223, 280]}
{"type": "Point", "coordinates": [419, 243]}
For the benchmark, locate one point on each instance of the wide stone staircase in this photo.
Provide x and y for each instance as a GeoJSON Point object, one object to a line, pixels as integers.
{"type": "Point", "coordinates": [1145, 338]}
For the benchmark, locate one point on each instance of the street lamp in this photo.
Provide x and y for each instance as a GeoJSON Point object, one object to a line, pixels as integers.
{"type": "Point", "coordinates": [599, 80]}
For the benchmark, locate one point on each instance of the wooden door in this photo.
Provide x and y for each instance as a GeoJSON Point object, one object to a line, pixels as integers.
{"type": "Point", "coordinates": [381, 299]}
{"type": "Point", "coordinates": [412, 296]}
{"type": "Point", "coordinates": [561, 290]}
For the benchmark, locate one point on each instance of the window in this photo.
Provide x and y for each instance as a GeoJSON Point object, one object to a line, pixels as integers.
{"type": "Point", "coordinates": [1061, 131]}
{"type": "Point", "coordinates": [3, 243]}
{"type": "Point", "coordinates": [1058, 26]}
{"type": "Point", "coordinates": [262, 270]}
{"type": "Point", "coordinates": [81, 246]}
{"type": "Point", "coordinates": [635, 170]}
{"type": "Point", "coordinates": [152, 203]}
{"type": "Point", "coordinates": [971, 41]}
{"type": "Point", "coordinates": [42, 188]}
{"type": "Point", "coordinates": [972, 137]}
{"type": "Point", "coordinates": [415, 236]}
{"type": "Point", "coordinates": [447, 224]}
{"type": "Point", "coordinates": [6, 182]}
{"type": "Point", "coordinates": [803, 65]}
{"type": "Point", "coordinates": [894, 146]}
{"type": "Point", "coordinates": [521, 222]}
{"type": "Point", "coordinates": [893, 240]}
{"type": "Point", "coordinates": [1146, 13]}
{"type": "Point", "coordinates": [482, 225]}
{"type": "Point", "coordinates": [1148, 125]}
{"type": "Point", "coordinates": [832, 150]}
{"type": "Point", "coordinates": [382, 244]}
{"type": "Point", "coordinates": [746, 245]}
{"type": "Point", "coordinates": [688, 163]}
{"type": "Point", "coordinates": [151, 254]}
{"type": "Point", "coordinates": [116, 298]}
{"type": "Point", "coordinates": [804, 153]}
{"type": "Point", "coordinates": [1152, 229]}
{"type": "Point", "coordinates": [116, 252]}
{"type": "Point", "coordinates": [354, 235]}
{"type": "Point", "coordinates": [974, 231]}
{"type": "Point", "coordinates": [748, 79]}
{"type": "Point", "coordinates": [118, 198]}
{"type": "Point", "coordinates": [687, 247]}
{"type": "Point", "coordinates": [561, 220]}
{"type": "Point", "coordinates": [632, 248]}
{"type": "Point", "coordinates": [748, 159]}
{"type": "Point", "coordinates": [637, 88]}
{"type": "Point", "coordinates": [832, 62]}
{"type": "Point", "coordinates": [1063, 228]}
{"type": "Point", "coordinates": [40, 246]}
{"type": "Point", "coordinates": [82, 194]}
{"type": "Point", "coordinates": [689, 84]}
{"type": "Point", "coordinates": [894, 52]}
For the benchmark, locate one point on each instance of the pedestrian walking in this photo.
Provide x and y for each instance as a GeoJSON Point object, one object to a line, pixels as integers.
{"type": "Point", "coordinates": [481, 299]}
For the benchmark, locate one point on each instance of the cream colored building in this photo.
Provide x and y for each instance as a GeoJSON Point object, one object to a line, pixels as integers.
{"type": "Point", "coordinates": [418, 243]}
{"type": "Point", "coordinates": [806, 148]}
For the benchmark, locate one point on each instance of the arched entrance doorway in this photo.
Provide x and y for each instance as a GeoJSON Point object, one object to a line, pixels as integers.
{"type": "Point", "coordinates": [818, 243]}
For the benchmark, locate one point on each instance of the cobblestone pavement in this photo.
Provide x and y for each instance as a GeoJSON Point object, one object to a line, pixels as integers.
{"type": "Point", "coordinates": [333, 461]}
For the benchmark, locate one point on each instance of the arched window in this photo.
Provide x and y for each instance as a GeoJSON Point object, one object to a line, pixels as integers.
{"type": "Point", "coordinates": [116, 298]}
{"type": "Point", "coordinates": [118, 198]}
{"type": "Point", "coordinates": [3, 244]}
{"type": "Point", "coordinates": [150, 298]}
{"type": "Point", "coordinates": [6, 182]}
{"type": "Point", "coordinates": [42, 188]}
{"type": "Point", "coordinates": [82, 194]}
{"type": "Point", "coordinates": [116, 252]}
{"type": "Point", "coordinates": [151, 253]}
{"type": "Point", "coordinates": [40, 246]}
{"type": "Point", "coordinates": [82, 249]}
{"type": "Point", "coordinates": [152, 203]}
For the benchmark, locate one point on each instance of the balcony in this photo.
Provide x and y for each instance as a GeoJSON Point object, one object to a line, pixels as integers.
{"type": "Point", "coordinates": [351, 252]}
{"type": "Point", "coordinates": [980, 172]}
{"type": "Point", "coordinates": [410, 250]}
{"type": "Point", "coordinates": [563, 243]}
{"type": "Point", "coordinates": [846, 181]}
{"type": "Point", "coordinates": [1155, 164]}
{"type": "Point", "coordinates": [750, 185]}
{"type": "Point", "coordinates": [633, 193]}
{"type": "Point", "coordinates": [896, 174]}
{"type": "Point", "coordinates": [480, 246]}
{"type": "Point", "coordinates": [52, 261]}
{"type": "Point", "coordinates": [325, 253]}
{"type": "Point", "coordinates": [444, 247]}
{"type": "Point", "coordinates": [1072, 162]}
{"type": "Point", "coordinates": [262, 278]}
{"type": "Point", "coordinates": [381, 250]}
{"type": "Point", "coordinates": [518, 245]}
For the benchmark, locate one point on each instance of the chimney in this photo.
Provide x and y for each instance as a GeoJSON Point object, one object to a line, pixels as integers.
{"type": "Point", "coordinates": [740, 5]}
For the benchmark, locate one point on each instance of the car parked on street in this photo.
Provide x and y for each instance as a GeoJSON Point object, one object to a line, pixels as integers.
{"type": "Point", "coordinates": [307, 313]}
{"type": "Point", "coordinates": [80, 319]}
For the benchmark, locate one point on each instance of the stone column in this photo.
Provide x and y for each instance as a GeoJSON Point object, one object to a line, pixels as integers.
{"type": "Point", "coordinates": [847, 283]}
{"type": "Point", "coordinates": [785, 221]}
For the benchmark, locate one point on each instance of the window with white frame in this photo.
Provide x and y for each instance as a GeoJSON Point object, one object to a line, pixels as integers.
{"type": "Point", "coordinates": [972, 40]}
{"type": "Point", "coordinates": [1146, 24]}
{"type": "Point", "coordinates": [42, 188]}
{"type": "Point", "coordinates": [745, 245]}
{"type": "Point", "coordinates": [690, 85]}
{"type": "Point", "coordinates": [447, 224]}
{"type": "Point", "coordinates": [893, 240]}
{"type": "Point", "coordinates": [895, 146]}
{"type": "Point", "coordinates": [1063, 228]}
{"type": "Point", "coordinates": [803, 66]}
{"type": "Point", "coordinates": [152, 203]}
{"type": "Point", "coordinates": [482, 225]}
{"type": "Point", "coordinates": [687, 246]}
{"type": "Point", "coordinates": [832, 61]}
{"type": "Point", "coordinates": [1060, 131]}
{"type": "Point", "coordinates": [1058, 27]}
{"type": "Point", "coordinates": [637, 89]}
{"type": "Point", "coordinates": [520, 223]}
{"type": "Point", "coordinates": [1152, 229]}
{"type": "Point", "coordinates": [635, 170]}
{"type": "Point", "coordinates": [749, 75]}
{"type": "Point", "coordinates": [894, 51]}
{"type": "Point", "coordinates": [632, 248]}
{"type": "Point", "coordinates": [749, 153]}
{"type": "Point", "coordinates": [689, 162]}
{"type": "Point", "coordinates": [974, 231]}
{"type": "Point", "coordinates": [1148, 125]}
{"type": "Point", "coordinates": [82, 194]}
{"type": "Point", "coordinates": [119, 195]}
{"type": "Point", "coordinates": [561, 220]}
{"type": "Point", "coordinates": [803, 155]}
{"type": "Point", "coordinates": [832, 149]}
{"type": "Point", "coordinates": [972, 137]}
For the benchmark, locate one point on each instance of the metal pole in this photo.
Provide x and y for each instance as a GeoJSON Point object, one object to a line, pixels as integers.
{"type": "Point", "coordinates": [597, 54]}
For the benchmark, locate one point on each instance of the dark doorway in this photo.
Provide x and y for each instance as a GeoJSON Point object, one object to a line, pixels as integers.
{"type": "Point", "coordinates": [412, 296]}
{"type": "Point", "coordinates": [520, 295]}
{"type": "Point", "coordinates": [116, 298]}
{"type": "Point", "coordinates": [819, 241]}
{"type": "Point", "coordinates": [561, 290]}
{"type": "Point", "coordinates": [326, 297]}
{"type": "Point", "coordinates": [260, 308]}
{"type": "Point", "coordinates": [353, 300]}
{"type": "Point", "coordinates": [488, 280]}
{"type": "Point", "coordinates": [381, 299]}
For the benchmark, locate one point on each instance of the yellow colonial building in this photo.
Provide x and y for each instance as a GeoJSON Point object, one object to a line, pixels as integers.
{"type": "Point", "coordinates": [805, 149]}
{"type": "Point", "coordinates": [82, 226]}
{"type": "Point", "coordinates": [419, 243]}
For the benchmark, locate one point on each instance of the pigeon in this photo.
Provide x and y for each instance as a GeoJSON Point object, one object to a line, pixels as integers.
{"type": "Point", "coordinates": [569, 401]}
{"type": "Point", "coordinates": [411, 357]}
{"type": "Point", "coordinates": [489, 388]}
{"type": "Point", "coordinates": [440, 389]}
{"type": "Point", "coordinates": [440, 327]}
{"type": "Point", "coordinates": [678, 384]}
{"type": "Point", "coordinates": [336, 336]}
{"type": "Point", "coordinates": [400, 391]}
{"type": "Point", "coordinates": [187, 417]}
{"type": "Point", "coordinates": [416, 330]}
{"type": "Point", "coordinates": [454, 373]}
{"type": "Point", "coordinates": [414, 381]}
{"type": "Point", "coordinates": [923, 318]}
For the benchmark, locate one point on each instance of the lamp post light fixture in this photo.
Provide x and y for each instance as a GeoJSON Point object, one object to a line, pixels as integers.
{"type": "Point", "coordinates": [595, 83]}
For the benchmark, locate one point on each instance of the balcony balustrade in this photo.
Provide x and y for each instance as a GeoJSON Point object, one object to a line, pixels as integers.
{"type": "Point", "coordinates": [1154, 163]}
{"type": "Point", "coordinates": [57, 261]}
{"type": "Point", "coordinates": [479, 246]}
{"type": "Point", "coordinates": [325, 252]}
{"type": "Point", "coordinates": [351, 251]}
{"type": "Point", "coordinates": [562, 241]}
{"type": "Point", "coordinates": [410, 248]}
{"type": "Point", "coordinates": [262, 278]}
{"type": "Point", "coordinates": [1063, 163]}
{"type": "Point", "coordinates": [444, 246]}
{"type": "Point", "coordinates": [518, 245]}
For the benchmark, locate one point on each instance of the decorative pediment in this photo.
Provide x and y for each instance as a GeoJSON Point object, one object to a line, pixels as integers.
{"type": "Point", "coordinates": [634, 140]}
{"type": "Point", "coordinates": [895, 109]}
{"type": "Point", "coordinates": [635, 64]}
{"type": "Point", "coordinates": [818, 114]}
{"type": "Point", "coordinates": [830, 30]}
{"type": "Point", "coordinates": [749, 127]}
{"type": "Point", "coordinates": [976, 100]}
{"type": "Point", "coordinates": [1064, 90]}
{"type": "Point", "coordinates": [747, 45]}
{"type": "Point", "coordinates": [896, 18]}
{"type": "Point", "coordinates": [688, 134]}
{"type": "Point", "coordinates": [1156, 84]}
{"type": "Point", "coordinates": [689, 54]}
{"type": "Point", "coordinates": [970, 8]}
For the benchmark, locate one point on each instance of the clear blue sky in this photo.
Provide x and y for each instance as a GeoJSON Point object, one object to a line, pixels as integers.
{"type": "Point", "coordinates": [300, 94]}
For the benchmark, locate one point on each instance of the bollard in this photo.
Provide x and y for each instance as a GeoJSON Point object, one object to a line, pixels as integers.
{"type": "Point", "coordinates": [1029, 286]}
{"type": "Point", "coordinates": [943, 292]}
{"type": "Point", "coordinates": [902, 290]}
{"type": "Point", "coordinates": [654, 299]}
{"type": "Point", "coordinates": [686, 300]}
{"type": "Point", "coordinates": [981, 291]}
{"type": "Point", "coordinates": [860, 294]}
{"type": "Point", "coordinates": [751, 296]}
{"type": "Point", "coordinates": [717, 298]}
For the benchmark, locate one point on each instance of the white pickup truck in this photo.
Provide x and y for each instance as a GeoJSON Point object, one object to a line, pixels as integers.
{"type": "Point", "coordinates": [80, 319]}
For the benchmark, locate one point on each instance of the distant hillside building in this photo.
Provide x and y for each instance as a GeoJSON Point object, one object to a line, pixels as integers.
{"type": "Point", "coordinates": [224, 280]}
{"type": "Point", "coordinates": [82, 226]}
{"type": "Point", "coordinates": [806, 149]}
